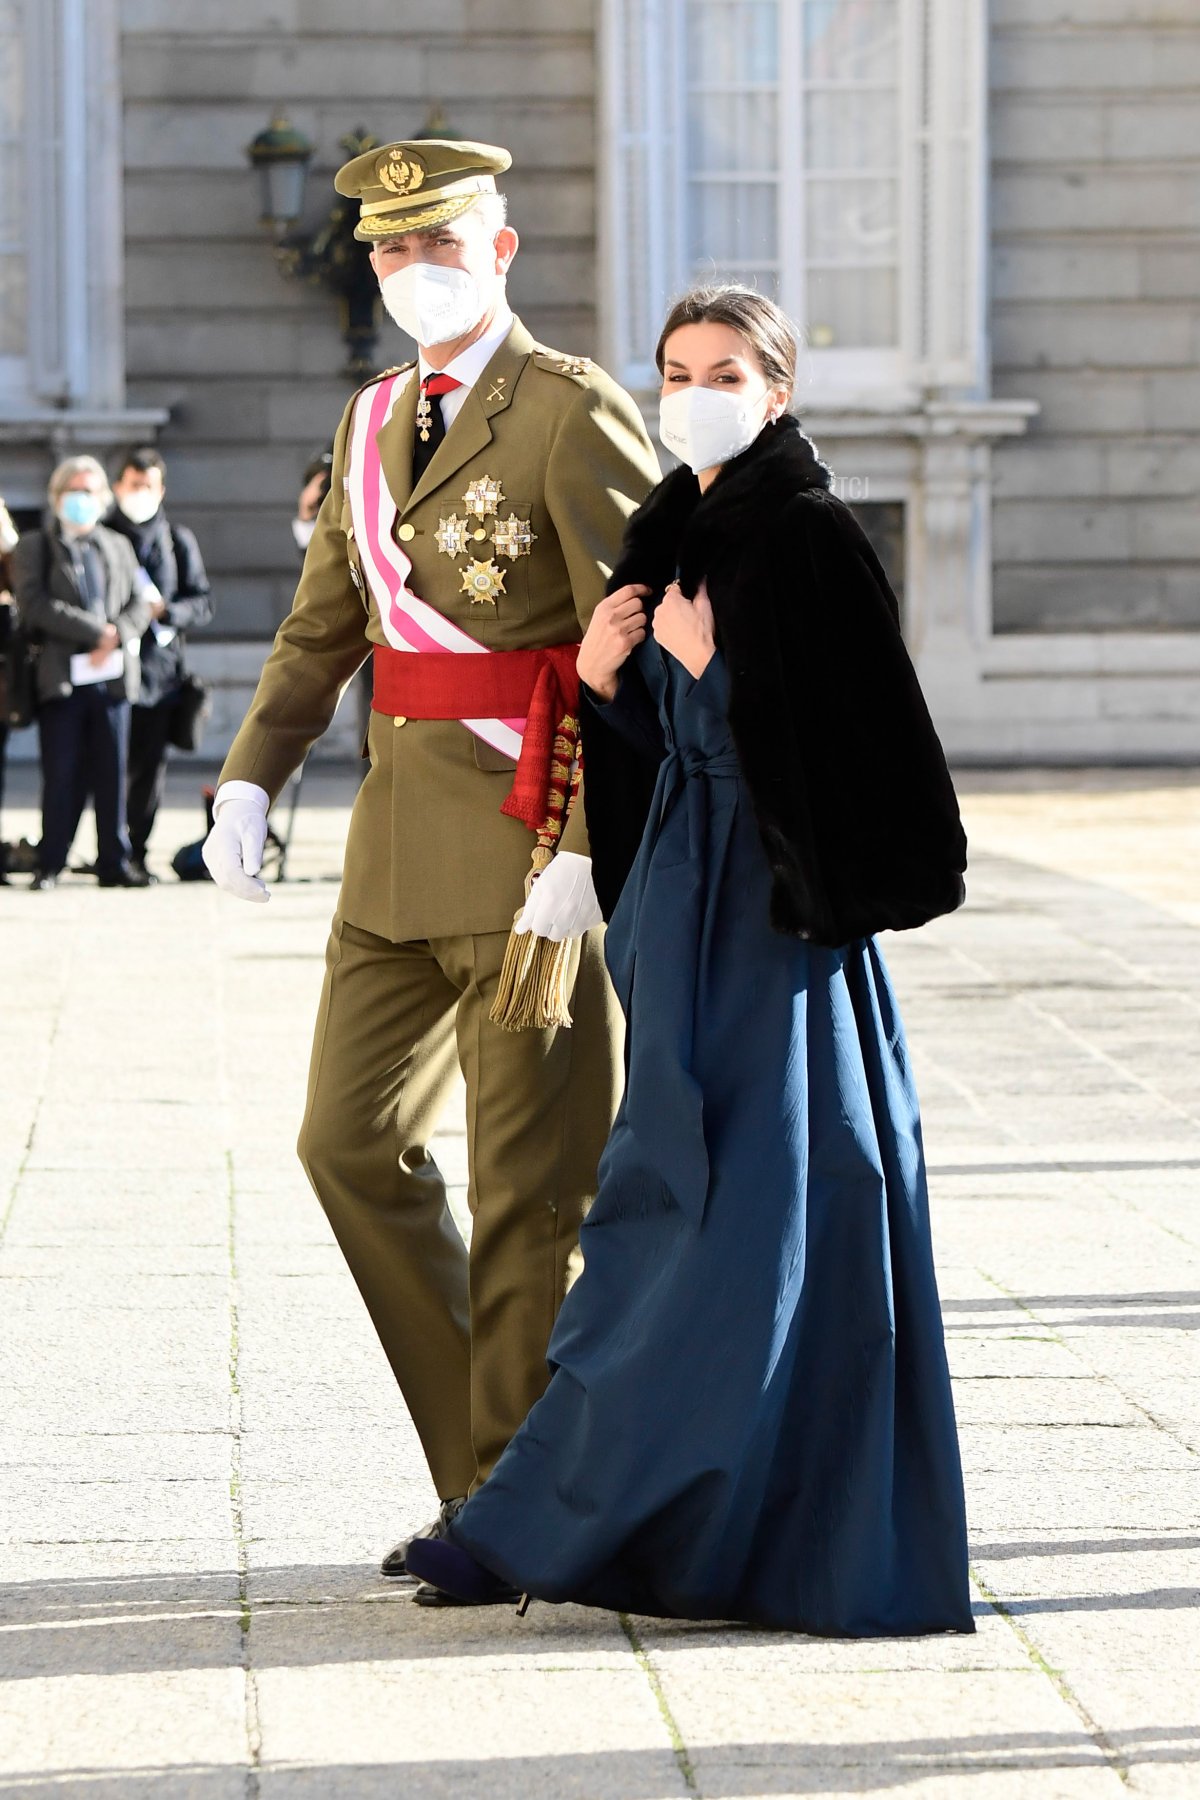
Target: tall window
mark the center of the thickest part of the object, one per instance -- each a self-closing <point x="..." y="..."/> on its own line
<point x="827" y="152"/>
<point x="792" y="159"/>
<point x="13" y="279"/>
<point x="61" y="260"/>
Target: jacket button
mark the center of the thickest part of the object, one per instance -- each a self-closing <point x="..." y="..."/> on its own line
<point x="406" y="532"/>
<point x="399" y="720"/>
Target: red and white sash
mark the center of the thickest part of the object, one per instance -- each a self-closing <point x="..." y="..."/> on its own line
<point x="409" y="623"/>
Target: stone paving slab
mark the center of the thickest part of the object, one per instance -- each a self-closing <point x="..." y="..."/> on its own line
<point x="202" y="1454"/>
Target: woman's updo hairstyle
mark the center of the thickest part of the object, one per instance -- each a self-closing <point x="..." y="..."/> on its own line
<point x="765" y="327"/>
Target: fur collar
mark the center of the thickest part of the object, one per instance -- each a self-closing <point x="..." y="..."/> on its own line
<point x="678" y="529"/>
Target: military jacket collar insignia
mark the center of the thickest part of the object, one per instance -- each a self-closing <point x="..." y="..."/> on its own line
<point x="470" y="433"/>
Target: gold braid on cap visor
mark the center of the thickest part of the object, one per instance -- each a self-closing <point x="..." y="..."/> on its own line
<point x="392" y="218"/>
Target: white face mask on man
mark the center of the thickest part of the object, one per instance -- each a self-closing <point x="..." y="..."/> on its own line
<point x="434" y="304"/>
<point x="139" y="505"/>
<point x="706" y="426"/>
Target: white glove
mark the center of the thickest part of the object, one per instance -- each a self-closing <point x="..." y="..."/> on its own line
<point x="233" y="849"/>
<point x="562" y="903"/>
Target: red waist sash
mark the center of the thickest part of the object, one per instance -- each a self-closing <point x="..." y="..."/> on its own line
<point x="540" y="686"/>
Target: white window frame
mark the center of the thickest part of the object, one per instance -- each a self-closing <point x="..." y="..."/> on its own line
<point x="942" y="84"/>
<point x="74" y="226"/>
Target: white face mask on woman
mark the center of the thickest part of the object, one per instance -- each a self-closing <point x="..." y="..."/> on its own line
<point x="706" y="426"/>
<point x="432" y="303"/>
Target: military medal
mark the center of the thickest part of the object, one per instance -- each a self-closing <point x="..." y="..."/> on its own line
<point x="483" y="497"/>
<point x="483" y="581"/>
<point x="424" y="415"/>
<point x="513" y="537"/>
<point x="451" y="535"/>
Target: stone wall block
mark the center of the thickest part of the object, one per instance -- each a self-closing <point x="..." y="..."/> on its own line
<point x="1066" y="268"/>
<point x="1086" y="400"/>
<point x="1059" y="129"/>
<point x="1006" y="14"/>
<point x="1100" y="597"/>
<point x="1075" y="61"/>
<point x="1170" y="271"/>
<point x="1152" y="129"/>
<point x="1048" y="468"/>
<point x="1154" y="335"/>
<point x="1164" y="468"/>
<point x="207" y="411"/>
<point x="1174" y="400"/>
<point x="1168" y="528"/>
<point x="1119" y="199"/>
<point x="1061" y="531"/>
<point x="163" y="344"/>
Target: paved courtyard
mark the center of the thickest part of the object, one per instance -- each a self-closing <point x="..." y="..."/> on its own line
<point x="204" y="1454"/>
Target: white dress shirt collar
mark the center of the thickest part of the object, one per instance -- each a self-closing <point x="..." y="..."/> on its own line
<point x="470" y="363"/>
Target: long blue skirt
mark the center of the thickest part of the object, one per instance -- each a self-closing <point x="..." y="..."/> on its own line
<point x="749" y="1414"/>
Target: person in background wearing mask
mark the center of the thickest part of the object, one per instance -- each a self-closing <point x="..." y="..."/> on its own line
<point x="79" y="589"/>
<point x="313" y="489"/>
<point x="750" y="1416"/>
<point x="8" y="543"/>
<point x="476" y="505"/>
<point x="181" y="599"/>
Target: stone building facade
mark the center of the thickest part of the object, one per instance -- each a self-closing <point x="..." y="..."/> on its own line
<point x="987" y="217"/>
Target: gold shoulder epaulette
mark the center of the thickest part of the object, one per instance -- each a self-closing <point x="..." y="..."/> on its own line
<point x="560" y="364"/>
<point x="400" y="369"/>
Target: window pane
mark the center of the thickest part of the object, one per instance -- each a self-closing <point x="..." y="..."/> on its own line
<point x="851" y="309"/>
<point x="762" y="280"/>
<point x="732" y="221"/>
<point x="851" y="221"/>
<point x="732" y="41"/>
<point x="851" y="130"/>
<point x="733" y="131"/>
<point x="851" y="40"/>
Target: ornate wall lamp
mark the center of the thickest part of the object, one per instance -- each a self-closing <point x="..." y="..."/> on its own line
<point x="330" y="257"/>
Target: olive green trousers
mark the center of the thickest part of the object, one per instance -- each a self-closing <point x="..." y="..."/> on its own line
<point x="465" y="1330"/>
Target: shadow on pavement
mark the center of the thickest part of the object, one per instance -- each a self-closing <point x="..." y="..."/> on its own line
<point x="725" y="1772"/>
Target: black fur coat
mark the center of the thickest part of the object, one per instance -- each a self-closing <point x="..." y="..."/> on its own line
<point x="853" y="799"/>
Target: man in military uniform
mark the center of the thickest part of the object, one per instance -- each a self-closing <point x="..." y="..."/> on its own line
<point x="477" y="501"/>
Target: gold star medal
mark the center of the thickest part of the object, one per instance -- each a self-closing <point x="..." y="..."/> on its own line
<point x="451" y="535"/>
<point x="483" y="497"/>
<point x="483" y="581"/>
<point x="513" y="537"/>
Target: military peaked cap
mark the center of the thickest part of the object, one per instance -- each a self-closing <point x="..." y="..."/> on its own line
<point x="411" y="186"/>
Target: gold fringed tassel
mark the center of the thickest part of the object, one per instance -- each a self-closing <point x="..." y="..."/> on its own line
<point x="535" y="984"/>
<point x="535" y="977"/>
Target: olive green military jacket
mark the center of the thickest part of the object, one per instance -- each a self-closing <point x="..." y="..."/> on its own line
<point x="429" y="852"/>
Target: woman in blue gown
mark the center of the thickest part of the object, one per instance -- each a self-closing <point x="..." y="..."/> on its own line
<point x="749" y="1414"/>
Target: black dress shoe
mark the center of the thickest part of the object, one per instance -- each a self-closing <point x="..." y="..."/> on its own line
<point x="451" y="1576"/>
<point x="396" y="1560"/>
<point x="42" y="883"/>
<point x="128" y="876"/>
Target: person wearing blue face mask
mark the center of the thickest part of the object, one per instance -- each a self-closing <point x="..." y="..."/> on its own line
<point x="85" y="602"/>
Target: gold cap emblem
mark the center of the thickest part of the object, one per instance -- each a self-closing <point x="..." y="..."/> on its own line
<point x="399" y="173"/>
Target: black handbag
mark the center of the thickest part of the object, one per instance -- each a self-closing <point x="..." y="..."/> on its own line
<point x="20" y="678"/>
<point x="190" y="711"/>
